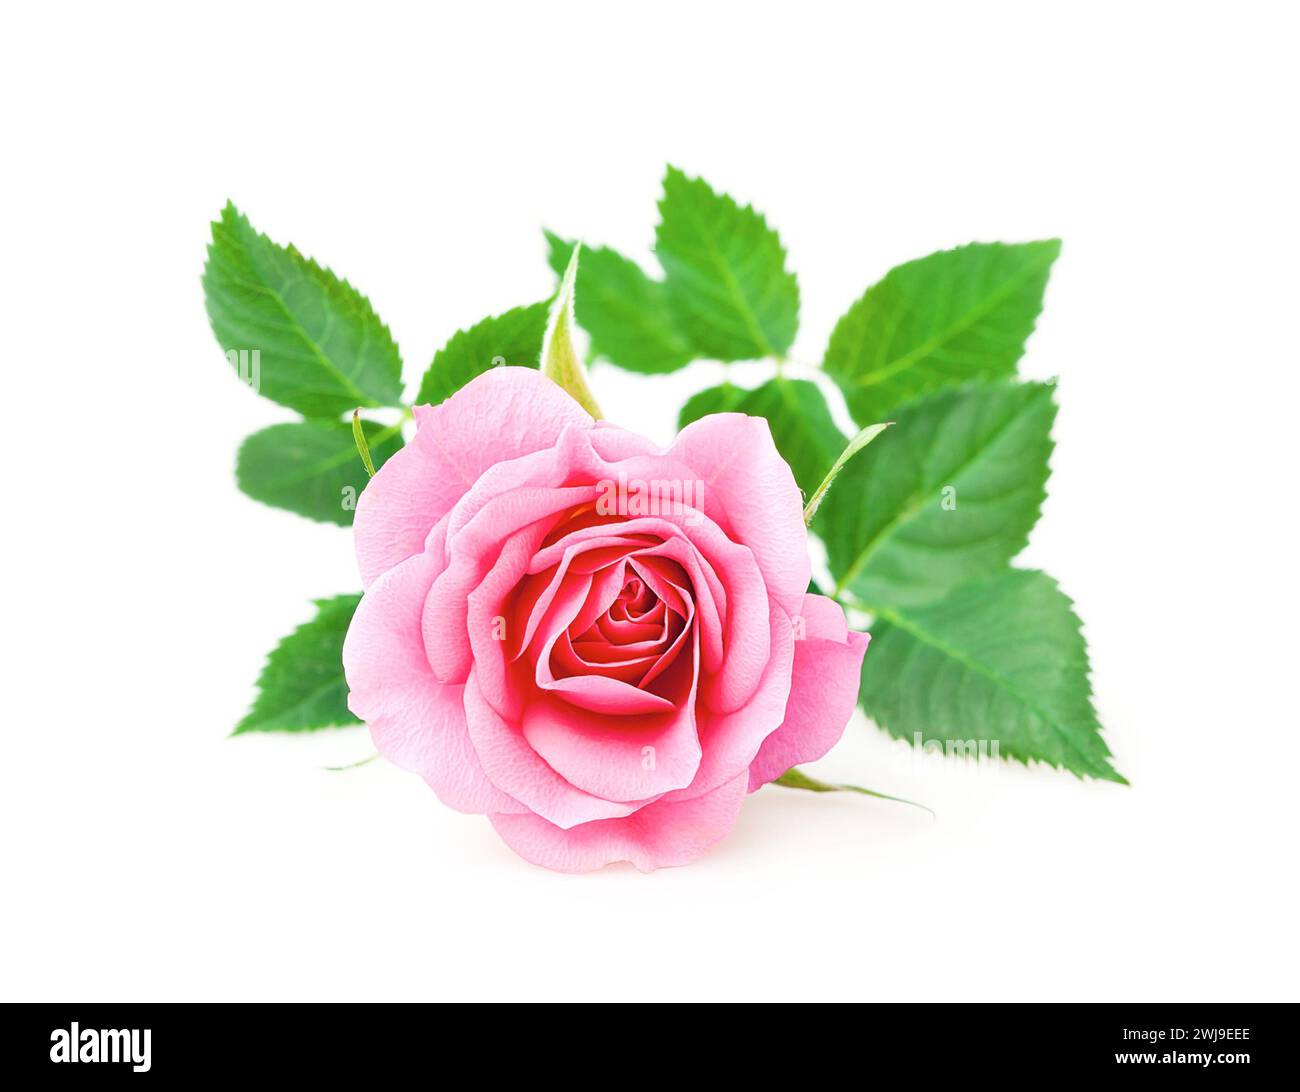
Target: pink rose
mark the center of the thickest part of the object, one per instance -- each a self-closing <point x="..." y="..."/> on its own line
<point x="599" y="644"/>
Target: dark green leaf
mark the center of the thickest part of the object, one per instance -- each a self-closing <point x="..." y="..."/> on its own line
<point x="320" y="348"/>
<point x="624" y="312"/>
<point x="302" y="685"/>
<point x="1000" y="661"/>
<point x="512" y="338"/>
<point x="728" y="287"/>
<point x="948" y="495"/>
<point x="312" y="467"/>
<point x="951" y="317"/>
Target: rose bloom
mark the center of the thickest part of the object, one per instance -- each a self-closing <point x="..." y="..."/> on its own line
<point x="600" y="644"/>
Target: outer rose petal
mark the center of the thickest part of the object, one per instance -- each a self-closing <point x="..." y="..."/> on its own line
<point x="608" y="759"/>
<point x="660" y="835"/>
<point x="522" y="774"/>
<point x="827" y="673"/>
<point x="502" y="414"/>
<point x="744" y="474"/>
<point x="416" y="722"/>
<point x="731" y="741"/>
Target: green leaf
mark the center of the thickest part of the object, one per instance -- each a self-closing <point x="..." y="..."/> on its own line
<point x="321" y="349"/>
<point x="312" y="467"/>
<point x="797" y="414"/>
<point x="951" y="317"/>
<point x="948" y="495"/>
<point x="624" y="311"/>
<point x="512" y="338"/>
<point x="302" y="685"/>
<point x="561" y="363"/>
<point x="728" y="287"/>
<point x="1001" y="661"/>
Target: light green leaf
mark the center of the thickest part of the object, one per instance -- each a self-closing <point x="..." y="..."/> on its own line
<point x="859" y="441"/>
<point x="727" y="282"/>
<point x="362" y="446"/>
<point x="624" y="311"/>
<point x="948" y="318"/>
<point x="1001" y="661"/>
<point x="560" y="360"/>
<point x="312" y="467"/>
<point x="302" y="685"/>
<point x="292" y="329"/>
<point x="511" y="338"/>
<point x="948" y="495"/>
<point x="797" y="414"/>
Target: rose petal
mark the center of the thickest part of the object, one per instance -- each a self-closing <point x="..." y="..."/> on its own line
<point x="762" y="507"/>
<point x="493" y="626"/>
<point x="615" y="757"/>
<point x="566" y="661"/>
<point x="823" y="691"/>
<point x="500" y="415"/>
<point x="415" y="721"/>
<point x="474" y="559"/>
<point x="660" y="835"/>
<point x="730" y="741"/>
<point x="519" y="771"/>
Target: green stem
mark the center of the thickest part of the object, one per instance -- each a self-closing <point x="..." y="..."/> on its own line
<point x="795" y="778"/>
<point x="353" y="765"/>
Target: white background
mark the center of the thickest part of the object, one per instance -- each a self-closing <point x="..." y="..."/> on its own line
<point x="145" y="855"/>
